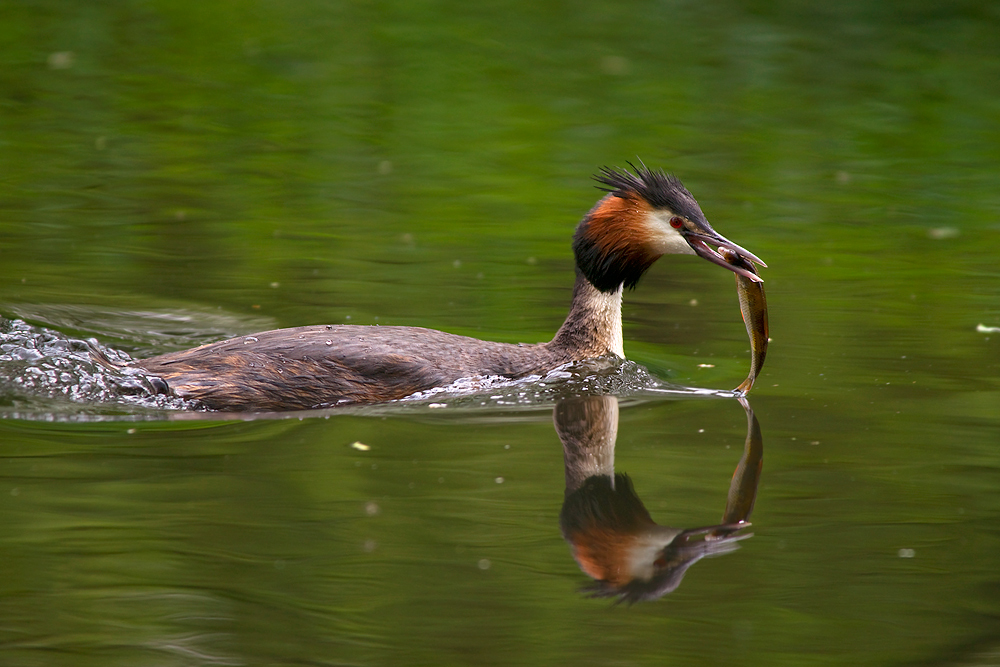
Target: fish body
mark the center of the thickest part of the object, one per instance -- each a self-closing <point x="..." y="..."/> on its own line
<point x="753" y="305"/>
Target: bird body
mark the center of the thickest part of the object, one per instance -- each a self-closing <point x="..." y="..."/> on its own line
<point x="645" y="215"/>
<point x="322" y="366"/>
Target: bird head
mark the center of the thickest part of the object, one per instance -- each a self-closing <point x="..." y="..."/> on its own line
<point x="645" y="215"/>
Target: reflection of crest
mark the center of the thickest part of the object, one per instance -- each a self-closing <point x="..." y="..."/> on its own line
<point x="613" y="537"/>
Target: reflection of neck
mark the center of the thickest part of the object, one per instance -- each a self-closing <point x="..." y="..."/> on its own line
<point x="593" y="327"/>
<point x="587" y="428"/>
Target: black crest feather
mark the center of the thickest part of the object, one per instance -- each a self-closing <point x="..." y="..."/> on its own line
<point x="655" y="186"/>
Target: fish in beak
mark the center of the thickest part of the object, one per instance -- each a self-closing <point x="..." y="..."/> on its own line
<point x="707" y="243"/>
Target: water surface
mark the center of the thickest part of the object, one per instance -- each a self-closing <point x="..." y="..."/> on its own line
<point x="174" y="173"/>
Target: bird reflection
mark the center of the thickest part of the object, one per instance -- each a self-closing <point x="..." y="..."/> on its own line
<point x="613" y="538"/>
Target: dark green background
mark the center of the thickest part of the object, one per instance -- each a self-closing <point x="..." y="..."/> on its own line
<point x="421" y="163"/>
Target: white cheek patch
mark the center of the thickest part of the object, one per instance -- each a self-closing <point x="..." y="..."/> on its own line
<point x="664" y="239"/>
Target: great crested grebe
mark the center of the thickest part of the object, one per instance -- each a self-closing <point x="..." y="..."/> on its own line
<point x="646" y="214"/>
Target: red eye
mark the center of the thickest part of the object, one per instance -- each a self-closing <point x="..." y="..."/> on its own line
<point x="676" y="222"/>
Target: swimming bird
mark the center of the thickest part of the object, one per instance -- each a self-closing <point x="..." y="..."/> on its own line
<point x="644" y="215"/>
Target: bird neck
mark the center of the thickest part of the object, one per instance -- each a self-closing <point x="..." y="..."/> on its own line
<point x="594" y="325"/>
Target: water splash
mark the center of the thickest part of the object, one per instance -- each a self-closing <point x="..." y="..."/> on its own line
<point x="42" y="370"/>
<point x="602" y="376"/>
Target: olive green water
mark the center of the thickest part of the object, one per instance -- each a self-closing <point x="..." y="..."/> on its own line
<point x="231" y="167"/>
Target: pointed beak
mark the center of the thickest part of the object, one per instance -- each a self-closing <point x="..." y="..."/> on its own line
<point x="724" y="529"/>
<point x="705" y="245"/>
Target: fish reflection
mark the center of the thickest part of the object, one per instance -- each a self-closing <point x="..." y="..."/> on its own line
<point x="613" y="538"/>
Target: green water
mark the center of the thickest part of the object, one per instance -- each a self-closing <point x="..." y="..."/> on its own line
<point x="172" y="172"/>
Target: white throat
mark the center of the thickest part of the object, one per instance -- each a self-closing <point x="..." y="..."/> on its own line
<point x="606" y="310"/>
